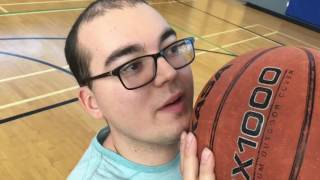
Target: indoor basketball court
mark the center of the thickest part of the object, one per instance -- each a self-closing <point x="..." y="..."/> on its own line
<point x="43" y="129"/>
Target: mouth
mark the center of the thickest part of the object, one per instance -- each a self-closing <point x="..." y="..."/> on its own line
<point x="175" y="104"/>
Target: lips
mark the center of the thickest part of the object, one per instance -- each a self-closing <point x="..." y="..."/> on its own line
<point x="174" y="103"/>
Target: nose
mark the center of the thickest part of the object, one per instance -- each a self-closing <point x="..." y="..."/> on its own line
<point x="165" y="72"/>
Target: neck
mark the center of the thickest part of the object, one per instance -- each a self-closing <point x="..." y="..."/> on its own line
<point x="143" y="153"/>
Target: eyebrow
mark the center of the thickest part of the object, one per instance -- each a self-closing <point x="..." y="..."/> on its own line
<point x="123" y="51"/>
<point x="133" y="48"/>
<point x="166" y="34"/>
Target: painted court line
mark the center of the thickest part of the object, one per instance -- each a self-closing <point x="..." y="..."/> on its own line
<point x="299" y="40"/>
<point x="228" y="31"/>
<point x="168" y="2"/>
<point x="3" y="9"/>
<point x="291" y="37"/>
<point x="41" y="12"/>
<point x="62" y="1"/>
<point x="265" y="37"/>
<point x="35" y="111"/>
<point x="214" y="49"/>
<point x="30" y="74"/>
<point x="66" y="1"/>
<point x="42" y="2"/>
<point x="37" y="97"/>
<point x="54" y="11"/>
<point x="250" y="39"/>
<point x="238" y="42"/>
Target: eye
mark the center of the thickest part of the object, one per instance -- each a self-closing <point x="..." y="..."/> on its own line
<point x="133" y="67"/>
<point x="175" y="49"/>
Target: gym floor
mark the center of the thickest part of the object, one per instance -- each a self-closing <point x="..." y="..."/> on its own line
<point x="43" y="130"/>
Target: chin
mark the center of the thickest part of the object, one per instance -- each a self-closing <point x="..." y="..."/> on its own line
<point x="175" y="130"/>
<point x="172" y="126"/>
<point x="171" y="139"/>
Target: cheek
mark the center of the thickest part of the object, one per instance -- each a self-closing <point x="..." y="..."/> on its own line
<point x="119" y="104"/>
<point x="187" y="83"/>
<point x="187" y="79"/>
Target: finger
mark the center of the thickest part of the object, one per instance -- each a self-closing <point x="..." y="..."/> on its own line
<point x="206" y="171"/>
<point x="190" y="162"/>
<point x="182" y="147"/>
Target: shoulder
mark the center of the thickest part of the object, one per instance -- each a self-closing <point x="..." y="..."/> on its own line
<point x="86" y="166"/>
<point x="91" y="160"/>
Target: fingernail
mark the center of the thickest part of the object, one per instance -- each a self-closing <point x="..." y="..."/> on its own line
<point x="206" y="154"/>
<point x="189" y="139"/>
<point x="183" y="136"/>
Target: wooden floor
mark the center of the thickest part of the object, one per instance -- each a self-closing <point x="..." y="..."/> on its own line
<point x="43" y="130"/>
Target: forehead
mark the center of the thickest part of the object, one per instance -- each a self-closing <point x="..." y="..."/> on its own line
<point x="118" y="27"/>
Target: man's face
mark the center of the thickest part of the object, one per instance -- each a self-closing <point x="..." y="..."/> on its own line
<point x="155" y="113"/>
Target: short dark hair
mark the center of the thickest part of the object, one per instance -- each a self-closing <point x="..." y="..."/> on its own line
<point x="78" y="57"/>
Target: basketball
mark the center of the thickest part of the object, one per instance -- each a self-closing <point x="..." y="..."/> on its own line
<point x="260" y="114"/>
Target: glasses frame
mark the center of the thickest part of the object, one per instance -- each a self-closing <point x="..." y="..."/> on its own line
<point x="116" y="71"/>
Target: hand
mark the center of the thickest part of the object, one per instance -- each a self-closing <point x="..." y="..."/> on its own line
<point x="189" y="165"/>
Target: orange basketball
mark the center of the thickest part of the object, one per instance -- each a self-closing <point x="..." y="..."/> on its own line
<point x="260" y="114"/>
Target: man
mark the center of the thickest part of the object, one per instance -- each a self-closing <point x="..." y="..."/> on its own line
<point x="134" y="73"/>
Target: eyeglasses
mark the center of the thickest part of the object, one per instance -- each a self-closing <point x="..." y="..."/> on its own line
<point x="142" y="70"/>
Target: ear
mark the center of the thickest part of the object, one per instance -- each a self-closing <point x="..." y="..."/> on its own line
<point x="89" y="103"/>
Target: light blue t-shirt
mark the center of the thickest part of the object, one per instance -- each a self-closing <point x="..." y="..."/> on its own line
<point x="99" y="163"/>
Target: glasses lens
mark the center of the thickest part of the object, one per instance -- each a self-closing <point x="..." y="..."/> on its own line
<point x="180" y="53"/>
<point x="137" y="72"/>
